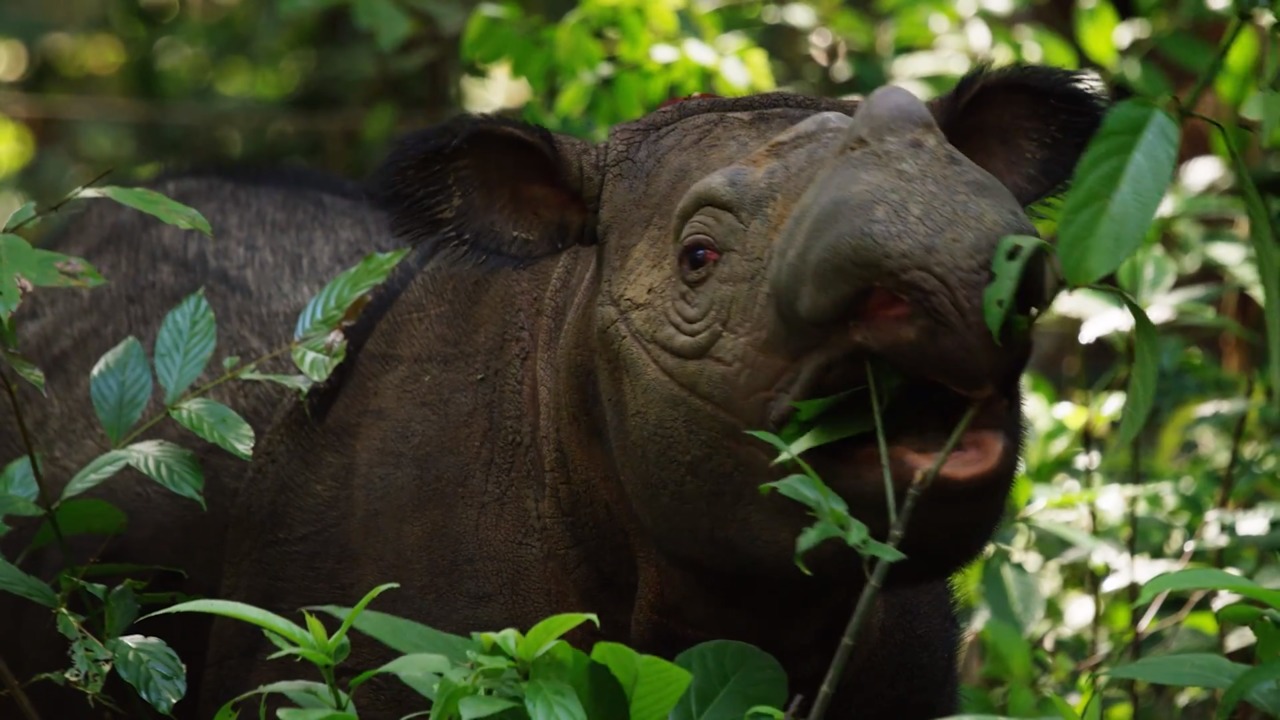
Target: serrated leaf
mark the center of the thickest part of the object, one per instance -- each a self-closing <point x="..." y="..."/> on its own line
<point x="729" y="677"/>
<point x="154" y="204"/>
<point x="174" y="467"/>
<point x="217" y="423"/>
<point x="1140" y="392"/>
<point x="95" y="472"/>
<point x="1116" y="188"/>
<point x="81" y="516"/>
<point x="16" y="582"/>
<point x="120" y="387"/>
<point x="326" y="310"/>
<point x="25" y="369"/>
<point x="24" y="213"/>
<point x="184" y="345"/>
<point x="152" y="668"/>
<point x="1007" y="267"/>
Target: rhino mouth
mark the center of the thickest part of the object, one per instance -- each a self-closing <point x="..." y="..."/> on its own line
<point x="918" y="418"/>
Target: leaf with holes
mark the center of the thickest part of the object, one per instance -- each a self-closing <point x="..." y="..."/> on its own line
<point x="217" y="423"/>
<point x="152" y="668"/>
<point x="184" y="345"/>
<point x="167" y="210"/>
<point x="174" y="467"/>
<point x="120" y="387"/>
<point x="24" y="268"/>
<point x="1007" y="266"/>
<point x="1117" y="186"/>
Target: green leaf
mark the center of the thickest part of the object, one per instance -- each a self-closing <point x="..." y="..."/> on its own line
<point x="420" y="671"/>
<point x="299" y="383"/>
<point x="1205" y="670"/>
<point x="541" y="636"/>
<point x="153" y="203"/>
<point x="319" y="356"/>
<point x="22" y="215"/>
<point x="1008" y="652"/>
<point x="813" y="494"/>
<point x="25" y="369"/>
<point x="813" y="536"/>
<point x="98" y="470"/>
<point x="1247" y="683"/>
<point x="350" y="619"/>
<point x="1140" y="393"/>
<point x="506" y="640"/>
<point x="1207" y="579"/>
<point x="1095" y="23"/>
<point x="314" y="714"/>
<point x="24" y="268"/>
<point x="479" y="706"/>
<point x="17" y="479"/>
<point x="390" y="25"/>
<point x="551" y="700"/>
<point x="729" y="677"/>
<point x="217" y="423"/>
<point x="403" y="635"/>
<point x="185" y="344"/>
<point x="1012" y="593"/>
<point x="1116" y="188"/>
<point x="243" y="612"/>
<point x="16" y="582"/>
<point x="120" y="610"/>
<point x="327" y="309"/>
<point x="652" y="685"/>
<point x="152" y="668"/>
<point x="81" y="516"/>
<point x="1007" y="267"/>
<point x="120" y="387"/>
<point x="174" y="467"/>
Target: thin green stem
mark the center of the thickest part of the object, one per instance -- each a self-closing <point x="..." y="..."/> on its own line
<point x="862" y="610"/>
<point x="890" y="500"/>
<point x="1202" y="83"/>
<point x="58" y="205"/>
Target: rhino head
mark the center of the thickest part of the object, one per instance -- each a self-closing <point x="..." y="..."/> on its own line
<point x="545" y="411"/>
<point x="756" y="251"/>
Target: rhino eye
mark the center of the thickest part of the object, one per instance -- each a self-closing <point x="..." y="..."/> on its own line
<point x="697" y="254"/>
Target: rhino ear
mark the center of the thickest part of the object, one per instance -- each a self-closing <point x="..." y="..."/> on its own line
<point x="1026" y="125"/>
<point x="488" y="186"/>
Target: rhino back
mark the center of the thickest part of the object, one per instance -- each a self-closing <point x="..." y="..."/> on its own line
<point x="277" y="240"/>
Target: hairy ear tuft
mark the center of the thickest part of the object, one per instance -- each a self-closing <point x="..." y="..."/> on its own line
<point x="1025" y="124"/>
<point x="490" y="187"/>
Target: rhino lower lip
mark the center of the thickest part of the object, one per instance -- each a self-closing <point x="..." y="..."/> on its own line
<point x="977" y="455"/>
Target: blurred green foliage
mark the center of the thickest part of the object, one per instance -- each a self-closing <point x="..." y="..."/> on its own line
<point x="141" y="85"/>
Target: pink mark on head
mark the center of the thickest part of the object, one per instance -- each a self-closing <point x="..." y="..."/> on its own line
<point x="882" y="304"/>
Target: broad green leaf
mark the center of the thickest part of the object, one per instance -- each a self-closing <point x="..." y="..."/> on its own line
<point x="1205" y="670"/>
<point x="551" y="700"/>
<point x="24" y="268"/>
<point x="22" y="215"/>
<point x="481" y="706"/>
<point x="82" y="516"/>
<point x="307" y="693"/>
<point x="153" y="203"/>
<point x="298" y="383"/>
<point x="597" y="688"/>
<point x="1095" y="24"/>
<point x="1007" y="266"/>
<point x="120" y="387"/>
<point x="152" y="668"/>
<point x="403" y="635"/>
<point x="98" y="470"/>
<point x="1011" y="592"/>
<point x="1264" y="675"/>
<point x="652" y="685"/>
<point x="541" y="636"/>
<point x="1140" y="392"/>
<point x="506" y="640"/>
<point x="25" y="369"/>
<point x="813" y="494"/>
<point x="1116" y="188"/>
<point x="174" y="467"/>
<point x="1008" y="652"/>
<point x="419" y="671"/>
<point x="390" y="25"/>
<point x="264" y="619"/>
<point x="729" y="677"/>
<point x="327" y="309"/>
<point x="319" y="356"/>
<point x="217" y="423"/>
<point x="1207" y="579"/>
<point x="314" y="714"/>
<point x="120" y="610"/>
<point x="184" y="345"/>
<point x="16" y="582"/>
<point x="18" y="479"/>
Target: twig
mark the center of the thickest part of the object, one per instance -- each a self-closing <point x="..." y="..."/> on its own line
<point x="41" y="486"/>
<point x="793" y="708"/>
<point x="884" y="448"/>
<point x="66" y="199"/>
<point x="919" y="484"/>
<point x="11" y="684"/>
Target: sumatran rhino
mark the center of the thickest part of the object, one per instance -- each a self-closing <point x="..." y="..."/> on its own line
<point x="279" y="236"/>
<point x="544" y="409"/>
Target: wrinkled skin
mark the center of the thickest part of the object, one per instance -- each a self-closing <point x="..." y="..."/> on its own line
<point x="547" y="409"/>
<point x="277" y="239"/>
